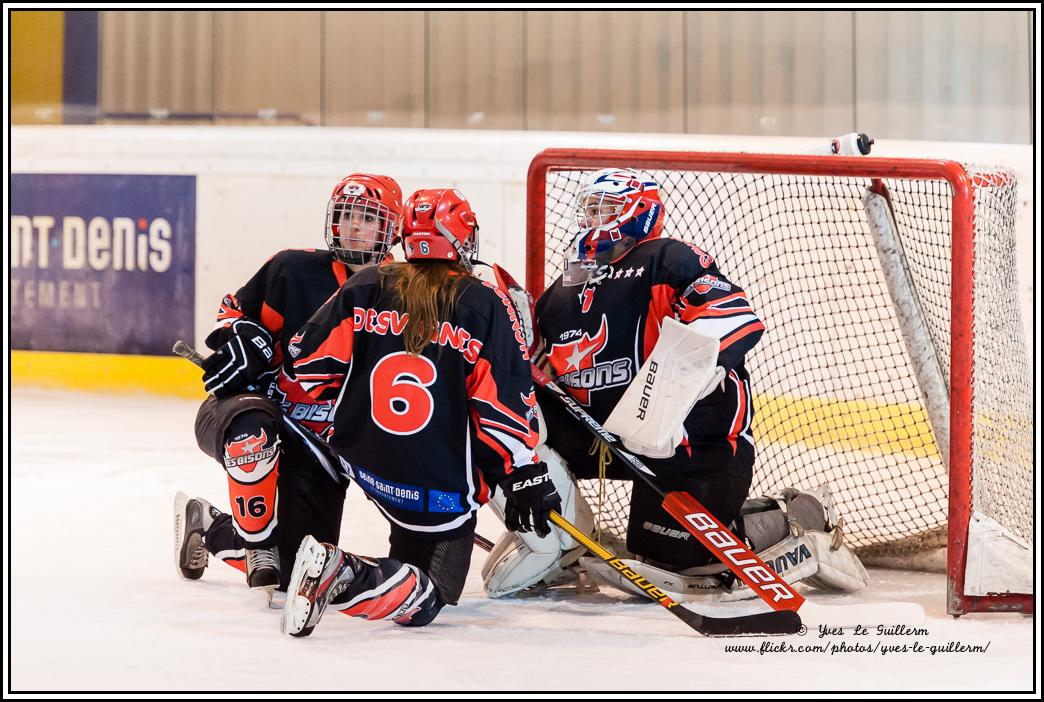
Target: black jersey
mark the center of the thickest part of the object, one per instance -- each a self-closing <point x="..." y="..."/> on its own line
<point x="281" y="296"/>
<point x="596" y="337"/>
<point x="425" y="436"/>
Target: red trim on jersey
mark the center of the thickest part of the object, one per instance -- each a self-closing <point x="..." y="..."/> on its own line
<point x="340" y="272"/>
<point x="482" y="386"/>
<point x="271" y="320"/>
<point x="687" y="317"/>
<point x="737" y="335"/>
<point x="237" y="562"/>
<point x="661" y="302"/>
<point x="337" y="347"/>
<point x="483" y="493"/>
<point x="476" y="419"/>
<point x="691" y="313"/>
<point x="523" y="436"/>
<point x="380" y="607"/>
<point x="739" y="420"/>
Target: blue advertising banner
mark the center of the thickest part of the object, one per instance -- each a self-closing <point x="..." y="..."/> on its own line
<point x="102" y="263"/>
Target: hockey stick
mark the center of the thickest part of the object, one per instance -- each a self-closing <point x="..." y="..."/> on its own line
<point x="483" y="543"/>
<point x="783" y="622"/>
<point x="776" y="622"/>
<point x="730" y="550"/>
<point x="181" y="348"/>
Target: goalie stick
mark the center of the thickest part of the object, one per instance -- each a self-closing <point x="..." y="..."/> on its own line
<point x="732" y="551"/>
<point x="782" y="622"/>
<point x="776" y="622"/>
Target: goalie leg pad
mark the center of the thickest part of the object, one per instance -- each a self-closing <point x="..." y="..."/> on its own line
<point x="811" y="514"/>
<point x="808" y="558"/>
<point x="811" y="550"/>
<point x="839" y="566"/>
<point x="813" y="511"/>
<point x="519" y="560"/>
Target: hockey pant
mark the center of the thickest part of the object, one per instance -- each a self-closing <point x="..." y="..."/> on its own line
<point x="411" y="585"/>
<point x="279" y="490"/>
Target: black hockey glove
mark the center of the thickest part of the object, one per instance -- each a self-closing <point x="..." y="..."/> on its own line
<point x="242" y="353"/>
<point x="530" y="498"/>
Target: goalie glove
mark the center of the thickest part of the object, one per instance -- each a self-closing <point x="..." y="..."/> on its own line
<point x="530" y="497"/>
<point x="681" y="369"/>
<point x="667" y="450"/>
<point x="242" y="353"/>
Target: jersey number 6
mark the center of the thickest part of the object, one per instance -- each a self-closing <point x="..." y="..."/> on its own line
<point x="399" y="399"/>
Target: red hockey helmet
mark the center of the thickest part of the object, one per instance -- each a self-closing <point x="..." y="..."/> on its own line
<point x="362" y="218"/>
<point x="438" y="225"/>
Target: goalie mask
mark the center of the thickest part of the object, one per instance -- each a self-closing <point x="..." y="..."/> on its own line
<point x="615" y="210"/>
<point x="362" y="218"/>
<point x="439" y="225"/>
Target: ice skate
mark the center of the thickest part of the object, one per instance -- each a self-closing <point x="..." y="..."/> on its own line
<point x="321" y="572"/>
<point x="192" y="517"/>
<point x="262" y="567"/>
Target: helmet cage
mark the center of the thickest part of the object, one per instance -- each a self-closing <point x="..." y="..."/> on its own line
<point x="599" y="210"/>
<point x="360" y="229"/>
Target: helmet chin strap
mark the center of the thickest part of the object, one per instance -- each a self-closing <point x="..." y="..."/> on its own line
<point x="464" y="260"/>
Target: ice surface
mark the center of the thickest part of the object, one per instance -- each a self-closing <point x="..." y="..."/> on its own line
<point x="96" y="603"/>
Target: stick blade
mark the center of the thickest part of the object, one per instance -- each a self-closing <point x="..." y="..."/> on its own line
<point x="868" y="616"/>
<point x="765" y="623"/>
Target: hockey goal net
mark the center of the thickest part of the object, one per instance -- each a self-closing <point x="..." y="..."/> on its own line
<point x="894" y="364"/>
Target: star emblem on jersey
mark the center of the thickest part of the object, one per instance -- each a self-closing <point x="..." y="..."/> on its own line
<point x="577" y="357"/>
<point x="576" y="369"/>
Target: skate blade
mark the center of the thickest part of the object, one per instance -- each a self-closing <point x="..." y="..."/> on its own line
<point x="180" y="501"/>
<point x="179" y="529"/>
<point x="311" y="556"/>
<point x="276" y="599"/>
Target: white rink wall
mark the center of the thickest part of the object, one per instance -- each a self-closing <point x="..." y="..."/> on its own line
<point x="262" y="189"/>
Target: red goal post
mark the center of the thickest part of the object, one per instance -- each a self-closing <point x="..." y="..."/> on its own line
<point x="768" y="200"/>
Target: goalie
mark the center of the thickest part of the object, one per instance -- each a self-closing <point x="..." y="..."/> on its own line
<point x="648" y="335"/>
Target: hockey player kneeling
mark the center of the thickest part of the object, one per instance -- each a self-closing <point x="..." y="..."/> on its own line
<point x="434" y="416"/>
<point x="649" y="336"/>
